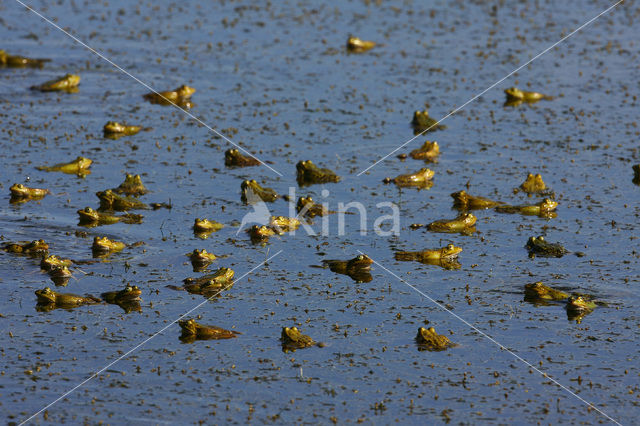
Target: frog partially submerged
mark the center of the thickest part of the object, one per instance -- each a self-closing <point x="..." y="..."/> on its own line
<point x="91" y="218"/>
<point x="21" y="192"/>
<point x="54" y="299"/>
<point x="31" y="248"/>
<point x="180" y="97"/>
<point x="129" y="294"/>
<point x="103" y="245"/>
<point x="533" y="184"/>
<point x="293" y="339"/>
<point x="200" y="259"/>
<point x="79" y="166"/>
<point x="357" y="268"/>
<point x="115" y="130"/>
<point x="538" y="291"/>
<point x="464" y="201"/>
<point x="211" y="284"/>
<point x="204" y="227"/>
<point x="67" y="83"/>
<point x="420" y="179"/>
<point x="132" y="186"/>
<point x="515" y="96"/>
<point x="283" y="224"/>
<point x="356" y="45"/>
<point x="538" y="246"/>
<point x="422" y="122"/>
<point x="252" y="192"/>
<point x="309" y="174"/>
<point x="463" y="223"/>
<point x="428" y="339"/>
<point x="448" y="252"/>
<point x="308" y="208"/>
<point x="16" y="61"/>
<point x="429" y="152"/>
<point x="191" y="331"/>
<point x="109" y="200"/>
<point x="578" y="306"/>
<point x="544" y="208"/>
<point x="52" y="261"/>
<point x="260" y="234"/>
<point x="234" y="158"/>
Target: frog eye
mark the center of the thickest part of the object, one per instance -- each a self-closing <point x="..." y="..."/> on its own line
<point x="432" y="330"/>
<point x="450" y="247"/>
<point x="540" y="238"/>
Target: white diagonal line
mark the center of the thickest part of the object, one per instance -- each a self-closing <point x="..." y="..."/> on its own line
<point x="493" y="85"/>
<point x="97" y="373"/>
<point x="122" y="70"/>
<point x="483" y="334"/>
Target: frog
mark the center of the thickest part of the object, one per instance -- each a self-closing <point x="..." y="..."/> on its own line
<point x="192" y="330"/>
<point x="16" y="61"/>
<point x="252" y="192"/>
<point x="308" y="174"/>
<point x="179" y="97"/>
<point x="464" y="201"/>
<point x="428" y="339"/>
<point x="293" y="339"/>
<point x="206" y="226"/>
<point x="260" y="234"/>
<point x="538" y="246"/>
<point x="46" y="296"/>
<point x="201" y="257"/>
<point x="19" y="191"/>
<point x="356" y="45"/>
<point x="283" y="224"/>
<point x="91" y="218"/>
<point x="79" y="166"/>
<point x="578" y="306"/>
<point x="308" y="208"/>
<point x="356" y="268"/>
<point x="31" y="248"/>
<point x="636" y="174"/>
<point x="109" y="200"/>
<point x="131" y="186"/>
<point x="420" y="179"/>
<point x="115" y="130"/>
<point x="423" y="123"/>
<point x="516" y="95"/>
<point x="129" y="294"/>
<point x="429" y="152"/>
<point x="234" y="158"/>
<point x="67" y="83"/>
<point x="210" y="284"/>
<point x="539" y="291"/>
<point x="449" y="252"/>
<point x="59" y="271"/>
<point x="104" y="245"/>
<point x="544" y="208"/>
<point x="52" y="261"/>
<point x="462" y="223"/>
<point x="533" y="184"/>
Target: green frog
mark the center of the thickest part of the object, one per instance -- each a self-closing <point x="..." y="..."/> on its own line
<point x="59" y="272"/>
<point x="109" y="200"/>
<point x="578" y="306"/>
<point x="420" y="179"/>
<point x="464" y="201"/>
<point x="308" y="208"/>
<point x="104" y="245"/>
<point x="514" y="95"/>
<point x="430" y="256"/>
<point x="429" y="152"/>
<point x="537" y="291"/>
<point x="191" y="331"/>
<point x="464" y="223"/>
<point x="422" y="122"/>
<point x="19" y="191"/>
<point x="131" y="186"/>
<point x="293" y="339"/>
<point x="47" y="296"/>
<point x="52" y="261"/>
<point x="79" y="166"/>
<point x="210" y="284"/>
<point x="234" y="158"/>
<point x="31" y="248"/>
<point x="543" y="208"/>
<point x="357" y="268"/>
<point x="356" y="45"/>
<point x="260" y="234"/>
<point x="129" y="294"/>
<point x="283" y="224"/>
<point x="115" y="130"/>
<point x="533" y="184"/>
<point x="309" y="174"/>
<point x="91" y="218"/>
<point x="67" y="83"/>
<point x="180" y="97"/>
<point x="206" y="226"/>
<point x="252" y="192"/>
<point x="201" y="257"/>
<point x="428" y="339"/>
<point x="540" y="247"/>
<point x="15" y="61"/>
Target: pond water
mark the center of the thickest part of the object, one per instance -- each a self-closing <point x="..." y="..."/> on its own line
<point x="276" y="79"/>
